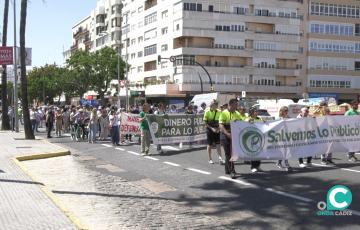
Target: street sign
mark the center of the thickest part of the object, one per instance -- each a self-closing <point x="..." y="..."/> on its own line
<point x="6" y="55"/>
<point x="172" y="58"/>
<point x="243" y="93"/>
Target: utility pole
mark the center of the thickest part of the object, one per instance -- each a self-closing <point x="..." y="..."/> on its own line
<point x="15" y="75"/>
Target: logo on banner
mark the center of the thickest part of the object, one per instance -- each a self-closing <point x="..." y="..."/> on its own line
<point x="154" y="127"/>
<point x="338" y="198"/>
<point x="251" y="141"/>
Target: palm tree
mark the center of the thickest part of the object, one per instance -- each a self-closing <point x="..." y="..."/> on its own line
<point x="5" y="124"/>
<point x="24" y="90"/>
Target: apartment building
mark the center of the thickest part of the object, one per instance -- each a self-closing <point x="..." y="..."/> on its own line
<point x="252" y="46"/>
<point x="333" y="50"/>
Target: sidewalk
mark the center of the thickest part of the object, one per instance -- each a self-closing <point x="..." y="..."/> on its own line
<point x="23" y="204"/>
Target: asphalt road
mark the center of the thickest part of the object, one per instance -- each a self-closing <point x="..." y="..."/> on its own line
<point x="272" y="199"/>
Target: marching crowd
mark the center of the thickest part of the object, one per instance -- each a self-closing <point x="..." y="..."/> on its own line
<point x="103" y="122"/>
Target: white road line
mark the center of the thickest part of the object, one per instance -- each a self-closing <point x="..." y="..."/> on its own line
<point x="172" y="164"/>
<point x="134" y="153"/>
<point x="151" y="158"/>
<point x="121" y="149"/>
<point x="199" y="171"/>
<point x="304" y="199"/>
<point x="235" y="180"/>
<point x="344" y="169"/>
<point x="106" y="145"/>
<point x="351" y="170"/>
<point x="168" y="147"/>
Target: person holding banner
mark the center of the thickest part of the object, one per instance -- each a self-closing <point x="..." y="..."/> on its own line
<point x="326" y="158"/>
<point x="160" y="111"/>
<point x="352" y="112"/>
<point x="253" y="118"/>
<point x="283" y="114"/>
<point x="304" y="113"/>
<point x="226" y="116"/>
<point x="211" y="118"/>
<point x="145" y="131"/>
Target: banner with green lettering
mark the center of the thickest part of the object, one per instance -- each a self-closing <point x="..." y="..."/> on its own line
<point x="295" y="138"/>
<point x="176" y="128"/>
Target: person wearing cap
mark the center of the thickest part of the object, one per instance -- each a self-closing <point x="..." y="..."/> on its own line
<point x="211" y="118"/>
<point x="352" y="112"/>
<point x="253" y="118"/>
<point x="304" y="113"/>
<point x="227" y="116"/>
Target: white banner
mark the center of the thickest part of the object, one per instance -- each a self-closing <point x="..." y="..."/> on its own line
<point x="295" y="138"/>
<point x="130" y="124"/>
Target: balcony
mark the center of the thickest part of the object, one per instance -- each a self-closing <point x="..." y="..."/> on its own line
<point x="150" y="3"/>
<point x="237" y="88"/>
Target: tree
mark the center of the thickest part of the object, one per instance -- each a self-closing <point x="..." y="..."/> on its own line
<point x="24" y="90"/>
<point x="105" y="63"/>
<point x="81" y="71"/>
<point x="5" y="124"/>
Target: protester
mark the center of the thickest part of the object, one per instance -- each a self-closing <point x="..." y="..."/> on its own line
<point x="93" y="126"/>
<point x="114" y="124"/>
<point x="66" y="120"/>
<point x="104" y="124"/>
<point x="58" y="122"/>
<point x="173" y="109"/>
<point x="50" y="117"/>
<point x="160" y="111"/>
<point x="33" y="119"/>
<point x="326" y="158"/>
<point x="304" y="113"/>
<point x="352" y="112"/>
<point x="253" y="118"/>
<point x="190" y="109"/>
<point x="242" y="111"/>
<point x="226" y="116"/>
<point x="202" y="108"/>
<point x="283" y="115"/>
<point x="145" y="131"/>
<point x="211" y="118"/>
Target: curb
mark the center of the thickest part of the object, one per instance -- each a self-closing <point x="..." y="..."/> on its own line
<point x="48" y="193"/>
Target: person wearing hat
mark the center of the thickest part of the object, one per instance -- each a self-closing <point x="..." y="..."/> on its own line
<point x="211" y="118"/>
<point x="227" y="116"/>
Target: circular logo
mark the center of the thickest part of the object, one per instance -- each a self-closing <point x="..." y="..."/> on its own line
<point x="154" y="127"/>
<point x="321" y="205"/>
<point x="339" y="197"/>
<point x="251" y="141"/>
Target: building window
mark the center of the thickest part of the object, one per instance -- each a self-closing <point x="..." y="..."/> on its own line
<point x="164" y="14"/>
<point x="140" y="54"/>
<point x="140" y="69"/>
<point x="164" y="47"/>
<point x="164" y="30"/>
<point x="140" y="39"/>
<point x="211" y="8"/>
<point x="150" y="18"/>
<point x="149" y="50"/>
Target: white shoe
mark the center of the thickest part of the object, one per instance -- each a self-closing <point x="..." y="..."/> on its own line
<point x="211" y="162"/>
<point x="302" y="165"/>
<point x="221" y="161"/>
<point x="254" y="170"/>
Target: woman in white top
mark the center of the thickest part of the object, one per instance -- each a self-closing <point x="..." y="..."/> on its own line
<point x="33" y="119"/>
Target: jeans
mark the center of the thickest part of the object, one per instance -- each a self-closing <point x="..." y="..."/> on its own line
<point x="92" y="132"/>
<point x="115" y="135"/>
<point x="33" y="125"/>
<point x="145" y="140"/>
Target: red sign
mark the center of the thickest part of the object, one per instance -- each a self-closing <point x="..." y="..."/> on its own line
<point x="6" y="55"/>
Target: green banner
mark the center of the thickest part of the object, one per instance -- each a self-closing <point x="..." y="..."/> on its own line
<point x="176" y="128"/>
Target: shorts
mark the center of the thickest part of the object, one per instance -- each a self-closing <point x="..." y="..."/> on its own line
<point x="212" y="138"/>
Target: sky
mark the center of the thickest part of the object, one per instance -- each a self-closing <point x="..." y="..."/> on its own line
<point x="49" y="24"/>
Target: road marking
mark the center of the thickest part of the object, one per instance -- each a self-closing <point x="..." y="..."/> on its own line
<point x="351" y="170"/>
<point x="331" y="166"/>
<point x="134" y="153"/>
<point x="304" y="199"/>
<point x="198" y="171"/>
<point x="106" y="145"/>
<point x="172" y="164"/>
<point x="121" y="149"/>
<point x="168" y="147"/>
<point x="235" y="180"/>
<point x="151" y="158"/>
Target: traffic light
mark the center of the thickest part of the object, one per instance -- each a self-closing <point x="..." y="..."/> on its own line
<point x="159" y="59"/>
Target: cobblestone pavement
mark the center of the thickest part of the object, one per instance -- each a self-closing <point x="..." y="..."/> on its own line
<point x="108" y="202"/>
<point x="23" y="204"/>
